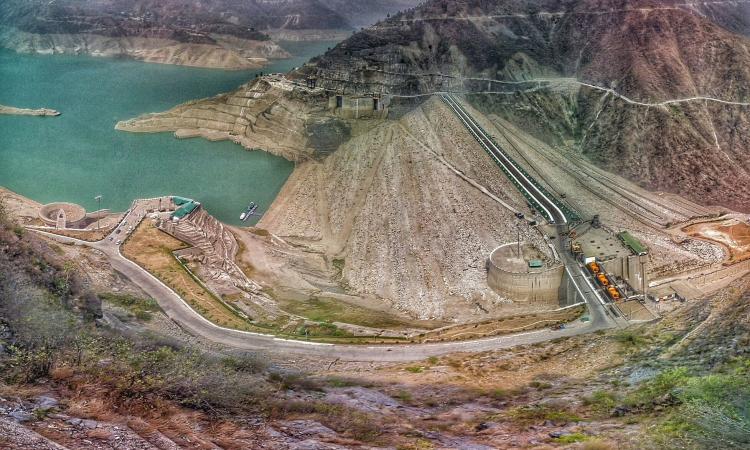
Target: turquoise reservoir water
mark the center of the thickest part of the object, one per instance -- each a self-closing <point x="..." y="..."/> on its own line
<point x="79" y="155"/>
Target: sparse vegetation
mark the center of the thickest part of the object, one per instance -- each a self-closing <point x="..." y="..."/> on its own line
<point x="601" y="402"/>
<point x="540" y="385"/>
<point x="571" y="438"/>
<point x="539" y="413"/>
<point x="404" y="396"/>
<point x="502" y="325"/>
<point x="51" y="340"/>
<point x="658" y="390"/>
<point x="630" y="339"/>
<point x="322" y="309"/>
<point x="708" y="411"/>
<point x="351" y="423"/>
<point x="142" y="308"/>
<point x="152" y="249"/>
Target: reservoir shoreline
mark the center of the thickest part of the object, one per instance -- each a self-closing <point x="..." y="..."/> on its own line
<point x="41" y="112"/>
<point x="80" y="155"/>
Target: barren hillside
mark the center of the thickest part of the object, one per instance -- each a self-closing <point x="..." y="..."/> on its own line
<point x="410" y="229"/>
<point x="227" y="34"/>
<point x="636" y="56"/>
<point x="393" y="201"/>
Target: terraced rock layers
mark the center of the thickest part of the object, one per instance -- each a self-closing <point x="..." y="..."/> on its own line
<point x="669" y="58"/>
<point x="12" y="111"/>
<point x="263" y="113"/>
<point x="217" y="245"/>
<point x="226" y="52"/>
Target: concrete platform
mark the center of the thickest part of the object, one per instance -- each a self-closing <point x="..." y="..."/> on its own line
<point x="604" y="246"/>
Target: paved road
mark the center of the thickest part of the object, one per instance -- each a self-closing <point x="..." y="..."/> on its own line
<point x="179" y="311"/>
<point x="600" y="316"/>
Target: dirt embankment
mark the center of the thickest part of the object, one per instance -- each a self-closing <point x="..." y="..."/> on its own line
<point x="732" y="234"/>
<point x="12" y="111"/>
<point x="389" y="207"/>
<point x="258" y="115"/>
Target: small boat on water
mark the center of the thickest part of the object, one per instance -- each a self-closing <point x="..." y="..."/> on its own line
<point x="249" y="211"/>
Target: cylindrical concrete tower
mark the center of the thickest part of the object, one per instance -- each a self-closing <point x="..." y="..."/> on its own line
<point x="524" y="277"/>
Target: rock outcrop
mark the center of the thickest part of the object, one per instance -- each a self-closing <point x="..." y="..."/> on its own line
<point x="668" y="98"/>
<point x="263" y="114"/>
<point x="12" y="111"/>
<point x="225" y="52"/>
<point x="221" y="34"/>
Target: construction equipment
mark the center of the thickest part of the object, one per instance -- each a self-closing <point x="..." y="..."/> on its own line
<point x="614" y="294"/>
<point x="594" y="267"/>
<point x="603" y="280"/>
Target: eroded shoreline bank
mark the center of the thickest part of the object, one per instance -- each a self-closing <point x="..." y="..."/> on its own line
<point x="13" y="111"/>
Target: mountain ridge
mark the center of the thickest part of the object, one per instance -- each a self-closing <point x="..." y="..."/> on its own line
<point x="648" y="51"/>
<point x="228" y="34"/>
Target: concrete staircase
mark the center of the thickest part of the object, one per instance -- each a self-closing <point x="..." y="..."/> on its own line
<point x="217" y="244"/>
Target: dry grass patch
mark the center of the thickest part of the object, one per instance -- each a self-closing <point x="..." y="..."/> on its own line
<point x="152" y="249"/>
<point x="505" y="325"/>
<point x="84" y="235"/>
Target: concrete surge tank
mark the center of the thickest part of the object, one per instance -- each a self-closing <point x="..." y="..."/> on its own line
<point x="61" y="214"/>
<point x="525" y="277"/>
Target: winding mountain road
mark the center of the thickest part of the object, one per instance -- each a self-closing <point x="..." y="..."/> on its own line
<point x="191" y="321"/>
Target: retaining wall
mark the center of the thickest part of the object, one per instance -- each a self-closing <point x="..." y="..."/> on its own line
<point x="533" y="286"/>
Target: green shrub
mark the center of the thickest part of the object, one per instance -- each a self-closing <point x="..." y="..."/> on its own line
<point x="540" y="385"/>
<point x="19" y="230"/>
<point x="338" y="382"/>
<point x="499" y="394"/>
<point x="571" y="438"/>
<point x="713" y="411"/>
<point x="141" y="308"/>
<point x="659" y="389"/>
<point x="601" y="402"/>
<point x="404" y="396"/>
<point x="630" y="338"/>
<point x="706" y="411"/>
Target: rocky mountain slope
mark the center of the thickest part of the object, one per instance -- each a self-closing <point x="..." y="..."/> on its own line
<point x="221" y="33"/>
<point x="135" y="381"/>
<point x="402" y="198"/>
<point x="634" y="55"/>
<point x="362" y="14"/>
<point x="370" y="230"/>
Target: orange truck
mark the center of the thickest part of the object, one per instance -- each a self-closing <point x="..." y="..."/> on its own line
<point x="602" y="279"/>
<point x="613" y="293"/>
<point x="594" y="268"/>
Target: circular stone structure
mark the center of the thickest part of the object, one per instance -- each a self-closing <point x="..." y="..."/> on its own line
<point x="60" y="214"/>
<point x="525" y="277"/>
